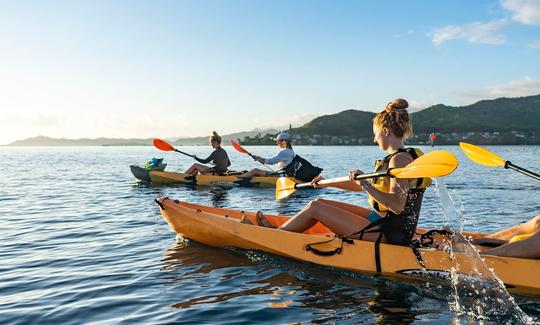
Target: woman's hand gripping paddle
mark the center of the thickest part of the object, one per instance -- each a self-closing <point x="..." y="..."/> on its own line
<point x="165" y="146"/>
<point x="434" y="164"/>
<point x="242" y="150"/>
<point x="487" y="158"/>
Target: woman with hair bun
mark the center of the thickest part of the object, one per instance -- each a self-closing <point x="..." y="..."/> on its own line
<point x="218" y="157"/>
<point x="395" y="203"/>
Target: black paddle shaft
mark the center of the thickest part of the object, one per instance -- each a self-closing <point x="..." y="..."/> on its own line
<point x="187" y="154"/>
<point x="509" y="165"/>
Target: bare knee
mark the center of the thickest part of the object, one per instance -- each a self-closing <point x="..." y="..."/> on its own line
<point x="321" y="200"/>
<point x="314" y="204"/>
<point x="536" y="223"/>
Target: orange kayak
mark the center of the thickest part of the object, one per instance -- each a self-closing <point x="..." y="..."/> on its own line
<point x="222" y="228"/>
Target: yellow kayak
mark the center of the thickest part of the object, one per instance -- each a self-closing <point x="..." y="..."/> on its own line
<point x="162" y="177"/>
<point x="222" y="228"/>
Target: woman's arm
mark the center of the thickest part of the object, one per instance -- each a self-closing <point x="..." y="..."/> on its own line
<point x="207" y="160"/>
<point x="397" y="197"/>
<point x="281" y="156"/>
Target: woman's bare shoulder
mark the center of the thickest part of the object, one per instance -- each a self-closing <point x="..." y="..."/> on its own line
<point x="401" y="159"/>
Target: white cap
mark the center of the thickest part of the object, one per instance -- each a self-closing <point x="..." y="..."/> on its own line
<point x="282" y="136"/>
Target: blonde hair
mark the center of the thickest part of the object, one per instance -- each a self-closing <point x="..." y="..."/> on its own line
<point x="395" y="118"/>
<point x="215" y="137"/>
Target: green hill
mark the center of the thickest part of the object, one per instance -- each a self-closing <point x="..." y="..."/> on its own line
<point x="343" y="123"/>
<point x="498" y="121"/>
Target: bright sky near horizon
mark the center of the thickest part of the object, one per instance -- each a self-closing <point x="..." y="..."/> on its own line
<point x="92" y="69"/>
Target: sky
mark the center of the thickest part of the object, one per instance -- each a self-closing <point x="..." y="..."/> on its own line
<point x="141" y="69"/>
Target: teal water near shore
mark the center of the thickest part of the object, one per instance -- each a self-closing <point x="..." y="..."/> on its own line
<point x="81" y="242"/>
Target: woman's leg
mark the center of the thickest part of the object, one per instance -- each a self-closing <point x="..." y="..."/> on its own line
<point x="361" y="211"/>
<point x="196" y="168"/>
<point x="528" y="227"/>
<point x="340" y="221"/>
<point x="254" y="172"/>
<point x="526" y="248"/>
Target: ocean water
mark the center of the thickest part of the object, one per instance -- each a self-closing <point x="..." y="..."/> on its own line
<point x="82" y="242"/>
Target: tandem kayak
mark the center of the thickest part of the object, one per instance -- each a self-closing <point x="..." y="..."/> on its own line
<point x="162" y="177"/>
<point x="222" y="228"/>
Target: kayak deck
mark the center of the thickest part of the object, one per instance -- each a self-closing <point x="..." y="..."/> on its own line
<point x="222" y="228"/>
<point x="158" y="177"/>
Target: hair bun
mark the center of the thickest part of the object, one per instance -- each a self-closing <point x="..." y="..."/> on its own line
<point x="214" y="133"/>
<point x="396" y="105"/>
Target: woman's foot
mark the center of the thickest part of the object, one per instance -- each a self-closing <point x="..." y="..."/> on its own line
<point x="262" y="221"/>
<point x="246" y="220"/>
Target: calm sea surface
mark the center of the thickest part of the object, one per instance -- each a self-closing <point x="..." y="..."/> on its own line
<point x="82" y="242"/>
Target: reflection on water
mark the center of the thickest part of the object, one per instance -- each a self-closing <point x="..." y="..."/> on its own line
<point x="218" y="196"/>
<point x="323" y="294"/>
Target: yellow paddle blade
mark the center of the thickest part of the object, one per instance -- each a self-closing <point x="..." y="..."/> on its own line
<point x="481" y="156"/>
<point x="433" y="164"/>
<point x="284" y="187"/>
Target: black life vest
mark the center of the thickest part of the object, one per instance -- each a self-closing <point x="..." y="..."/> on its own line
<point x="301" y="169"/>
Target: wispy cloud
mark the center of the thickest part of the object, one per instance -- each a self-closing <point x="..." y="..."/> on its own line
<point x="478" y="32"/>
<point x="535" y="44"/>
<point x="409" y="32"/>
<point x="523" y="11"/>
<point x="526" y="86"/>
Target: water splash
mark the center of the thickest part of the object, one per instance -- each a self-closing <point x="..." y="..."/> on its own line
<point x="481" y="295"/>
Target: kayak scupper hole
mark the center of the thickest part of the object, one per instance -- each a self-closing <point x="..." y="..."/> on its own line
<point x="199" y="210"/>
<point x="226" y="216"/>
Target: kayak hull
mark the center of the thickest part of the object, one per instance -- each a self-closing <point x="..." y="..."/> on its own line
<point x="222" y="228"/>
<point x="142" y="173"/>
<point x="158" y="177"/>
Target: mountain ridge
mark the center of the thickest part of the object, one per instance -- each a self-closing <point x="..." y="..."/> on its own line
<point x="503" y="120"/>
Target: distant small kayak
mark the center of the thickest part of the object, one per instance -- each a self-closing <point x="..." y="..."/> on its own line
<point x="163" y="177"/>
<point x="142" y="173"/>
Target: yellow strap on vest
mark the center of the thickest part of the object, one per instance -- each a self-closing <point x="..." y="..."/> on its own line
<point x="383" y="183"/>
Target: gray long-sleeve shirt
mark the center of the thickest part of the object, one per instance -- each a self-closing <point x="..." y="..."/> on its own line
<point x="219" y="158"/>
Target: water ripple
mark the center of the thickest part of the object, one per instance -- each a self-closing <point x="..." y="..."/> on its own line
<point x="82" y="242"/>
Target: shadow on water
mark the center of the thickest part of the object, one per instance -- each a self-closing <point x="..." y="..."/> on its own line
<point x="298" y="290"/>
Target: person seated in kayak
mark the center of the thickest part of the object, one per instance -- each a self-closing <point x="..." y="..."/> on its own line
<point x="395" y="202"/>
<point x="521" y="241"/>
<point x="218" y="157"/>
<point x="284" y="157"/>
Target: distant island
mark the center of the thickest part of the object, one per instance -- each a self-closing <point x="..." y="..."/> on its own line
<point x="47" y="141"/>
<point x="498" y="121"/>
